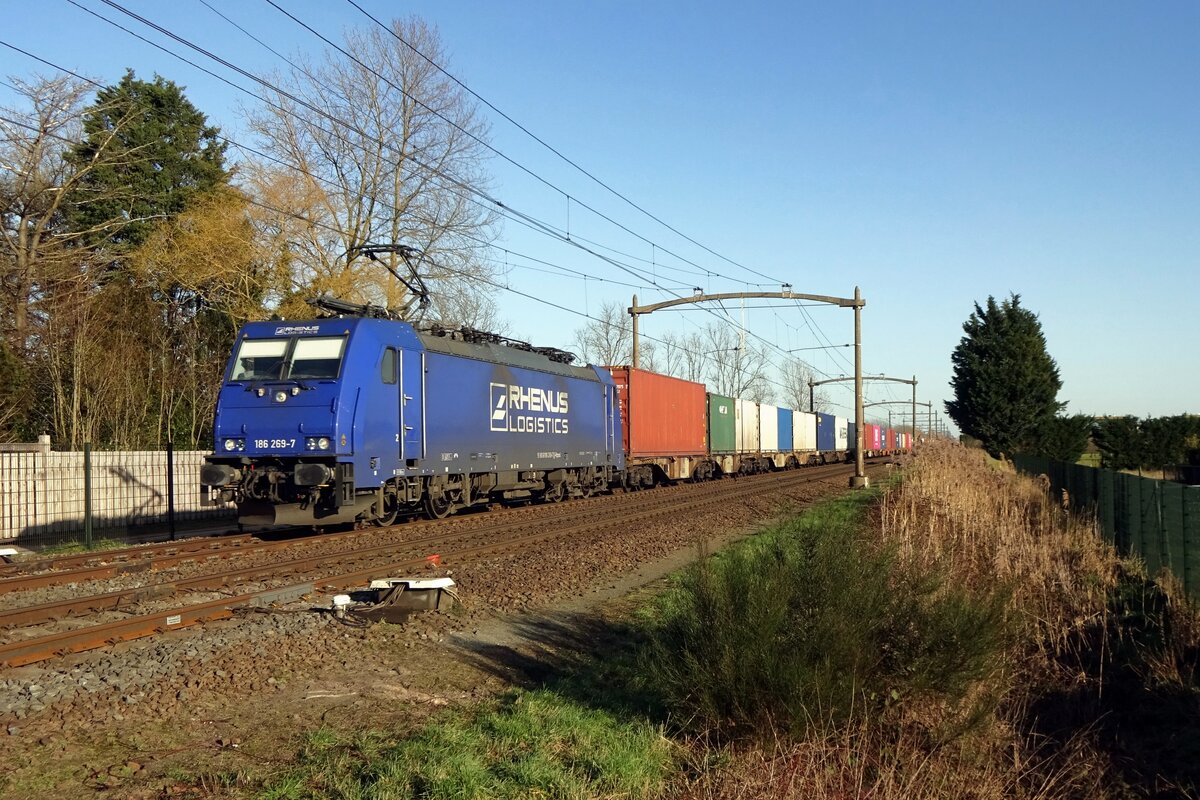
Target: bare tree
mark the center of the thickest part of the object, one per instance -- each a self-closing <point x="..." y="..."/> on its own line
<point x="606" y="339"/>
<point x="737" y="366"/>
<point x="392" y="155"/>
<point x="795" y="376"/>
<point x="36" y="178"/>
<point x="684" y="356"/>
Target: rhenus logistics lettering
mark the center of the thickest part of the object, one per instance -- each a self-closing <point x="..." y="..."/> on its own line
<point x="528" y="409"/>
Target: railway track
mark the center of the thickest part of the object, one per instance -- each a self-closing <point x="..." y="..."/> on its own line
<point x="471" y="538"/>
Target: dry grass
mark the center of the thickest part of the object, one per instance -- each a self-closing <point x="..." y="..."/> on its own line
<point x="990" y="527"/>
<point x="1092" y="638"/>
<point x="860" y="763"/>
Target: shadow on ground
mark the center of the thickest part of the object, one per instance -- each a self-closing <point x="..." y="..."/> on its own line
<point x="582" y="656"/>
<point x="1137" y="696"/>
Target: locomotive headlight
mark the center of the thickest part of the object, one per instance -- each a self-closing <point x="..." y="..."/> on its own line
<point x="234" y="444"/>
<point x="261" y="392"/>
<point x="295" y="391"/>
<point x="281" y="396"/>
<point x="316" y="443"/>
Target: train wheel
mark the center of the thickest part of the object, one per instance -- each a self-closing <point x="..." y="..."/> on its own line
<point x="437" y="506"/>
<point x="391" y="509"/>
<point x="556" y="493"/>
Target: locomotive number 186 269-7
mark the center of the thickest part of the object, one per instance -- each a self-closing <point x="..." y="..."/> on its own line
<point x="265" y="443"/>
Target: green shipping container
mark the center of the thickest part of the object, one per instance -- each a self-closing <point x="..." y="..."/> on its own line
<point x="720" y="424"/>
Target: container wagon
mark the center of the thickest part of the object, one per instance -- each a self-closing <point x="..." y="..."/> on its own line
<point x="664" y="420"/>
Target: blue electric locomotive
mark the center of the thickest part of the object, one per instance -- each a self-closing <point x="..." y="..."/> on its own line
<point x="358" y="418"/>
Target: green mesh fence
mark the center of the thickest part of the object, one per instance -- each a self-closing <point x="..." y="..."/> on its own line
<point x="1156" y="520"/>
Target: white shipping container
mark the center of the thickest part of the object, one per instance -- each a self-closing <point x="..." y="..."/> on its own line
<point x="746" y="426"/>
<point x="804" y="431"/>
<point x="768" y="428"/>
<point x="841" y="426"/>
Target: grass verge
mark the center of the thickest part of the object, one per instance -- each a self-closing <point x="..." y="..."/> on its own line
<point x="955" y="634"/>
<point x="532" y="744"/>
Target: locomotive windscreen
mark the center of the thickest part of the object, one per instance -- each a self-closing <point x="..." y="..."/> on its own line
<point x="317" y="358"/>
<point x="305" y="358"/>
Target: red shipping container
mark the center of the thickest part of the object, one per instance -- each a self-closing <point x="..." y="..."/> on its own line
<point x="891" y="439"/>
<point x="660" y="415"/>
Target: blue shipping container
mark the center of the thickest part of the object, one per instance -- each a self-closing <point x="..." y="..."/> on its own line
<point x="785" y="430"/>
<point x="826" y="433"/>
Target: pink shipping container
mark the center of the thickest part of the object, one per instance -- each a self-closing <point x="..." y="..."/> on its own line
<point x="871" y="441"/>
<point x="661" y="415"/>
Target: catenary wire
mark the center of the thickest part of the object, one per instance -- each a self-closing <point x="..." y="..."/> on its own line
<point x="551" y="148"/>
<point x="547" y="229"/>
<point x="536" y="223"/>
<point x="497" y="285"/>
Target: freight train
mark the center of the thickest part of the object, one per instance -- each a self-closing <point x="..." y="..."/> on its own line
<point x="362" y="418"/>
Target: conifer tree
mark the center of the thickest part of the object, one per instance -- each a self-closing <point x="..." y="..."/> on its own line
<point x="153" y="152"/>
<point x="1005" y="382"/>
<point x="1063" y="438"/>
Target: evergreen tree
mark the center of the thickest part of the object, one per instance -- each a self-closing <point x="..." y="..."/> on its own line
<point x="1063" y="438"/>
<point x="1120" y="442"/>
<point x="1167" y="440"/>
<point x="152" y="151"/>
<point x="1005" y="382"/>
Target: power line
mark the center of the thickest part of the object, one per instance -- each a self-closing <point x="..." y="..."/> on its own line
<point x="481" y="141"/>
<point x="520" y="216"/>
<point x="537" y="223"/>
<point x="318" y="224"/>
<point x="494" y="204"/>
<point x="564" y="236"/>
<point x="550" y="147"/>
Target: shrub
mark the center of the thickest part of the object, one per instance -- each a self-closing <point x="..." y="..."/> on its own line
<point x="810" y="623"/>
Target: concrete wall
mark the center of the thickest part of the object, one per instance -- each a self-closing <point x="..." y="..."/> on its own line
<point x="42" y="492"/>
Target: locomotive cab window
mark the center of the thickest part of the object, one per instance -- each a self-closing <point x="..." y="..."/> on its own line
<point x="258" y="359"/>
<point x="388" y="371"/>
<point x="311" y="358"/>
<point x="317" y="358"/>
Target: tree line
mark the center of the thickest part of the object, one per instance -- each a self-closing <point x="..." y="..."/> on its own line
<point x="1131" y="443"/>
<point x="1006" y="388"/>
<point x="137" y="238"/>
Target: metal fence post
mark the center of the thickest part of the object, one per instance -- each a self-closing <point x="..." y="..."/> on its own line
<point x="171" y="487"/>
<point x="1191" y="539"/>
<point x="87" y="495"/>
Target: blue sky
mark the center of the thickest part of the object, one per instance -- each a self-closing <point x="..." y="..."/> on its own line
<point x="930" y="153"/>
